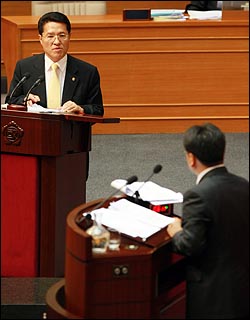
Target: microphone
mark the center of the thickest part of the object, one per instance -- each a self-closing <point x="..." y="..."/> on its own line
<point x="24" y="78"/>
<point x="166" y="209"/>
<point x="35" y="84"/>
<point x="137" y="199"/>
<point x="157" y="169"/>
<point x="129" y="181"/>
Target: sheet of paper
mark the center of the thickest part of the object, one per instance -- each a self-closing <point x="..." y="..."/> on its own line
<point x="37" y="108"/>
<point x="205" y="15"/>
<point x="149" y="191"/>
<point x="131" y="219"/>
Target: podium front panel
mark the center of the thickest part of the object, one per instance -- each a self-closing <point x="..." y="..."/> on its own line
<point x="43" y="134"/>
<point x="19" y="215"/>
<point x="139" y="281"/>
<point x="44" y="168"/>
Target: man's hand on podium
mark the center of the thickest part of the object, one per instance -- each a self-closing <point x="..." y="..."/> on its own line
<point x="174" y="227"/>
<point x="32" y="98"/>
<point x="72" y="107"/>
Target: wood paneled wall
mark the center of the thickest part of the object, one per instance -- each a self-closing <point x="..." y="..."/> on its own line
<point x="23" y="8"/>
<point x="15" y="8"/>
<point x="156" y="77"/>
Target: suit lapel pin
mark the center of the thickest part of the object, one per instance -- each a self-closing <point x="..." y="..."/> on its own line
<point x="73" y="79"/>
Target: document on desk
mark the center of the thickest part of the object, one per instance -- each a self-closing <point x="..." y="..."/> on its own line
<point x="131" y="219"/>
<point x="205" y="15"/>
<point x="37" y="108"/>
<point x="149" y="191"/>
<point x="167" y="14"/>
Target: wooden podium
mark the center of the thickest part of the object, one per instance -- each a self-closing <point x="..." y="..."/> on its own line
<point x="143" y="280"/>
<point x="43" y="176"/>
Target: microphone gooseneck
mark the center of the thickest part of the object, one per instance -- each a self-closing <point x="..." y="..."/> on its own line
<point x="35" y="84"/>
<point x="156" y="169"/>
<point x="24" y="78"/>
<point x="128" y="181"/>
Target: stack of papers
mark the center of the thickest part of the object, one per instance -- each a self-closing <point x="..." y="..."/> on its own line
<point x="162" y="14"/>
<point x="149" y="191"/>
<point x="131" y="219"/>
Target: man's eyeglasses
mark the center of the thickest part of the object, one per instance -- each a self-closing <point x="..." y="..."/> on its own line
<point x="52" y="37"/>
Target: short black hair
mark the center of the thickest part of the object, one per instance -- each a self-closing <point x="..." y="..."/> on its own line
<point x="53" y="16"/>
<point x="207" y="142"/>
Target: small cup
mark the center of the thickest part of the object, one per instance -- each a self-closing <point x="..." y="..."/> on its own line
<point x="114" y="239"/>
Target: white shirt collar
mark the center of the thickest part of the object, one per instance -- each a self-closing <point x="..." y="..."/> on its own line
<point x="204" y="172"/>
<point x="61" y="63"/>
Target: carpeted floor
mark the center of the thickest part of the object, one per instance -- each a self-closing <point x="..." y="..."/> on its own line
<point x="121" y="156"/>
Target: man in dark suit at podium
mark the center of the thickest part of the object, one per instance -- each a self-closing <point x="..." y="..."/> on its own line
<point x="80" y="90"/>
<point x="214" y="231"/>
<point x="79" y="81"/>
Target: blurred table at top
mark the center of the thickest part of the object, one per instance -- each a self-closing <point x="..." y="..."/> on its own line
<point x="157" y="77"/>
<point x="17" y="8"/>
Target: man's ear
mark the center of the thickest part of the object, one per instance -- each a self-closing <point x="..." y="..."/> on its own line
<point x="40" y="38"/>
<point x="191" y="159"/>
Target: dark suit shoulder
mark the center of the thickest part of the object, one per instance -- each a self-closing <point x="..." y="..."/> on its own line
<point x="216" y="182"/>
<point x="222" y="174"/>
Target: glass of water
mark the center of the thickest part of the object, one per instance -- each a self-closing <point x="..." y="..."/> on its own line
<point x="114" y="239"/>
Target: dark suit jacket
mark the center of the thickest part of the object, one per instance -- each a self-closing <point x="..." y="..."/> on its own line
<point x="82" y="83"/>
<point x="215" y="237"/>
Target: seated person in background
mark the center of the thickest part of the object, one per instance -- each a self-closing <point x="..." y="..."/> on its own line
<point x="214" y="231"/>
<point x="202" y="5"/>
<point x="79" y="80"/>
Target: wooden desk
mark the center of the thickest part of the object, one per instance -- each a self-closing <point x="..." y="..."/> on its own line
<point x="143" y="283"/>
<point x="44" y="166"/>
<point x="157" y="77"/>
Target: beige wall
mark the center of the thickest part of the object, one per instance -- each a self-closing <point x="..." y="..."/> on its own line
<point x="69" y="7"/>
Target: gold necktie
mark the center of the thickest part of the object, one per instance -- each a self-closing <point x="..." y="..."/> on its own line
<point x="54" y="97"/>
